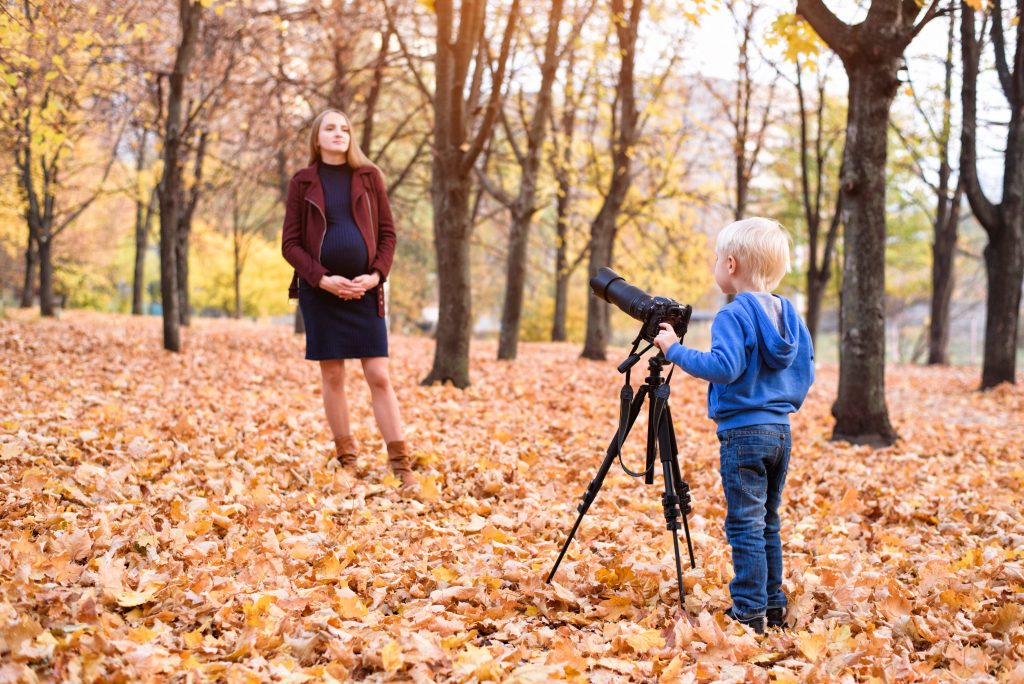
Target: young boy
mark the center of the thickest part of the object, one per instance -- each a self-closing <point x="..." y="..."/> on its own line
<point x="760" y="367"/>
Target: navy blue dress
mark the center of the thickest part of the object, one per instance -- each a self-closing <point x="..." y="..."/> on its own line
<point x="339" y="328"/>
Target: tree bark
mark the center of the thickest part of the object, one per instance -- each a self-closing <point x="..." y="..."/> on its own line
<point x="947" y="217"/>
<point x="1003" y="222"/>
<point x="143" y="211"/>
<point x="819" y="268"/>
<point x="46" y="301"/>
<point x="943" y="251"/>
<point x="185" y="231"/>
<point x="170" y="185"/>
<point x="860" y="410"/>
<point x="523" y="208"/>
<point x="460" y="134"/>
<point x="562" y="163"/>
<point x="28" y="288"/>
<point x="143" y="221"/>
<point x="871" y="52"/>
<point x="603" y="228"/>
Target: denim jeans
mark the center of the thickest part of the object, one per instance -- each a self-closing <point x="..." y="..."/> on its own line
<point x="754" y="461"/>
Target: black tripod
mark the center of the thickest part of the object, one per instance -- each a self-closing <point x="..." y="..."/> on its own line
<point x="661" y="438"/>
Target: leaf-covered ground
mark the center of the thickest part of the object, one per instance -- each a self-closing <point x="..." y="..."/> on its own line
<point x="171" y="515"/>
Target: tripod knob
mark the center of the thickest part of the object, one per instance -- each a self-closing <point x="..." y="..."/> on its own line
<point x="684" y="498"/>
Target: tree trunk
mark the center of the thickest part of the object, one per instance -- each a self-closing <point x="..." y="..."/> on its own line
<point x="451" y="241"/>
<point x="602" y="242"/>
<point x="46" y="300"/>
<point x="947" y="217"/>
<point x="563" y="177"/>
<point x="238" y="284"/>
<point x="28" y="288"/>
<point x="181" y="264"/>
<point x="170" y="184"/>
<point x="602" y="230"/>
<point x="515" y="282"/>
<point x="523" y="208"/>
<point x="461" y="128"/>
<point x="143" y="220"/>
<point x="1004" y="269"/>
<point x="943" y="250"/>
<point x="561" y="265"/>
<point x="1003" y="222"/>
<point x="185" y="230"/>
<point x="860" y="409"/>
<point x="815" y="294"/>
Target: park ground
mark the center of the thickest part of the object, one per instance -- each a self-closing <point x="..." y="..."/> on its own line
<point x="175" y="515"/>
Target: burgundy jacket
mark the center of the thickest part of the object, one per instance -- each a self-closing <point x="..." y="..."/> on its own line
<point x="305" y="225"/>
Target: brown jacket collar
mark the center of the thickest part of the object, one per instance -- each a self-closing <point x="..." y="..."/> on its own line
<point x="315" y="191"/>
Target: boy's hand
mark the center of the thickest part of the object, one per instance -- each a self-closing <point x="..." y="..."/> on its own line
<point x="666" y="338"/>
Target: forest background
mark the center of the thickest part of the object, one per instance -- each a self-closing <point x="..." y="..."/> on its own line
<point x="718" y="87"/>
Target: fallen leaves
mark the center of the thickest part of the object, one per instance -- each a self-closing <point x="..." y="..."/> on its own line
<point x="172" y="513"/>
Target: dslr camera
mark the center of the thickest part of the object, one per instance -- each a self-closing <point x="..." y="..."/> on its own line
<point x="650" y="311"/>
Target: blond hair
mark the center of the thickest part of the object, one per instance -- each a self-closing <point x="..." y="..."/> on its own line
<point x="762" y="245"/>
<point x="355" y="157"/>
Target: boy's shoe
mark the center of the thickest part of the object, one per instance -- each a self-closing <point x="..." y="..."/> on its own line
<point x="755" y="623"/>
<point x="775" y="617"/>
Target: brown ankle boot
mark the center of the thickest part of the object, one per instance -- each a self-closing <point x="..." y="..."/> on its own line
<point x="398" y="458"/>
<point x="346" y="449"/>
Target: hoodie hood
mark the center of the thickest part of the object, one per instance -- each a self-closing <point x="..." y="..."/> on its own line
<point x="778" y="350"/>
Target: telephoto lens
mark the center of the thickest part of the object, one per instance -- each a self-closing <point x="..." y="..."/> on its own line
<point x="613" y="288"/>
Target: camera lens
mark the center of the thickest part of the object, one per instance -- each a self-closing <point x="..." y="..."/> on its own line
<point x="611" y="287"/>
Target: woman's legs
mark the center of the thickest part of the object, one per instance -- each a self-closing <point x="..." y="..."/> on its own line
<point x="332" y="374"/>
<point x="382" y="394"/>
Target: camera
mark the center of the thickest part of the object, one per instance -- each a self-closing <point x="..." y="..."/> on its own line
<point x="651" y="311"/>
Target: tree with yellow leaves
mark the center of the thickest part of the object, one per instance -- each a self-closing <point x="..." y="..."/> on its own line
<point x="57" y="60"/>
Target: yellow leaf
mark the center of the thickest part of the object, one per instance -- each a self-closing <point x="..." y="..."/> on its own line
<point x="645" y="641"/>
<point x="327" y="568"/>
<point x="443" y="574"/>
<point x="255" y="611"/>
<point x="428" y="488"/>
<point x="616" y="607"/>
<point x="492" y="533"/>
<point x="141" y="634"/>
<point x="392" y="656"/>
<point x="349" y="605"/>
<point x="811" y="645"/>
<point x="129" y="598"/>
<point x="193" y="639"/>
<point x="781" y="675"/>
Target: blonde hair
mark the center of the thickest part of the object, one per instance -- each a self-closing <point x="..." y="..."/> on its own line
<point x="762" y="245"/>
<point x="355" y="157"/>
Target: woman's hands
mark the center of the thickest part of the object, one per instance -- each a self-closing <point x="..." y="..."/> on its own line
<point x="367" y="281"/>
<point x="349" y="289"/>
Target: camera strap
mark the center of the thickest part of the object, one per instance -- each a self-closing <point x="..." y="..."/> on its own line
<point x="625" y="402"/>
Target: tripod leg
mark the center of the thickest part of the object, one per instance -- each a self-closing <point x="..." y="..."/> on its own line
<point x="595" y="485"/>
<point x="669" y="500"/>
<point x="681" y="488"/>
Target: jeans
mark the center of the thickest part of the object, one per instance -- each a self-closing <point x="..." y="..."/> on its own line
<point x="754" y="461"/>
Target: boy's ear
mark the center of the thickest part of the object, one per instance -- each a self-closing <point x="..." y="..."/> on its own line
<point x="731" y="264"/>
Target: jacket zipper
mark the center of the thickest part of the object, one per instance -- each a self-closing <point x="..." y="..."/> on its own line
<point x="324" y="216"/>
<point x="373" y="227"/>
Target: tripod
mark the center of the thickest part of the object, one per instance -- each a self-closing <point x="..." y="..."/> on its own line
<point x="661" y="439"/>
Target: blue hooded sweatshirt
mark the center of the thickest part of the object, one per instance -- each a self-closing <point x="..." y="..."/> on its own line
<point x="758" y="376"/>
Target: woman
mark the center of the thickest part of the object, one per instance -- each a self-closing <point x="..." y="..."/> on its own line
<point x="339" y="235"/>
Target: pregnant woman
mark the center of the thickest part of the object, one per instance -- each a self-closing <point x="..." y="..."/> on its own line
<point x="339" y="236"/>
